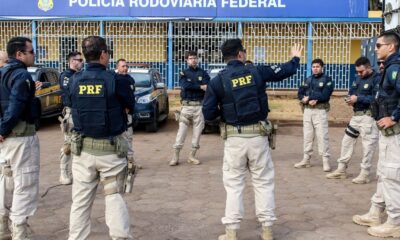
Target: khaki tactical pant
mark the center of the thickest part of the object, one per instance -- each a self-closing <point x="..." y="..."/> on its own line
<point x="242" y="155"/>
<point x="389" y="176"/>
<point x="23" y="154"/>
<point x="315" y="122"/>
<point x="65" y="159"/>
<point x="128" y="136"/>
<point x="87" y="171"/>
<point x="194" y="115"/>
<point x="369" y="134"/>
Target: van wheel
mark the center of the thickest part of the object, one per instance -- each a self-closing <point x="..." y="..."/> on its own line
<point x="153" y="126"/>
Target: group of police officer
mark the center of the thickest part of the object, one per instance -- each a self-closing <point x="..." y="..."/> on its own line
<point x="95" y="124"/>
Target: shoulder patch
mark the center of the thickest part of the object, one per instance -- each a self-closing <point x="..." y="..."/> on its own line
<point x="394" y="75"/>
<point x="366" y="86"/>
<point x="329" y="83"/>
<point x="182" y="73"/>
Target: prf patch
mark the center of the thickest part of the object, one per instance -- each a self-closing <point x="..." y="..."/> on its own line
<point x="366" y="86"/>
<point x="66" y="81"/>
<point x="200" y="78"/>
<point x="394" y="75"/>
<point x="321" y="84"/>
<point x="91" y="90"/>
<point x="242" y="81"/>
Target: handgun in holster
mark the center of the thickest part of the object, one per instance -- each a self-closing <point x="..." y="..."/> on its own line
<point x="132" y="170"/>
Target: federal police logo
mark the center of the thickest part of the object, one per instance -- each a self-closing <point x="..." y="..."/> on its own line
<point x="366" y="86"/>
<point x="394" y="75"/>
<point x="45" y="5"/>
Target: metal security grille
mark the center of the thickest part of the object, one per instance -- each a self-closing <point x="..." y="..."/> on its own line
<point x="338" y="44"/>
<point x="139" y="42"/>
<point x="270" y="43"/>
<point x="203" y="37"/>
<point x="332" y="42"/>
<point x="10" y="29"/>
<point x="56" y="39"/>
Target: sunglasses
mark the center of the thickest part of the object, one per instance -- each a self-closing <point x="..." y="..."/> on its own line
<point x="380" y="62"/>
<point x="79" y="60"/>
<point x="31" y="52"/>
<point x="379" y="45"/>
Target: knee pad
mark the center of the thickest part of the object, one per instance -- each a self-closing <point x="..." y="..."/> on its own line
<point x="351" y="132"/>
<point x="114" y="184"/>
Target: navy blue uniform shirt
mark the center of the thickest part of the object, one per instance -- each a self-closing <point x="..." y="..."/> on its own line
<point x="215" y="90"/>
<point x="22" y="91"/>
<point x="316" y="87"/>
<point x="364" y="89"/>
<point x="190" y="80"/>
<point x="64" y="85"/>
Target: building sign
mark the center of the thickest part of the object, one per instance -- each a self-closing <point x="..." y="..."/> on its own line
<point x="188" y="8"/>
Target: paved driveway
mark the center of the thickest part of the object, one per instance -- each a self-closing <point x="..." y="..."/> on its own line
<point x="187" y="202"/>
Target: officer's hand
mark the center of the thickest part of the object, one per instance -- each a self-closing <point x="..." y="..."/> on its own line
<point x="386" y="122"/>
<point x="312" y="102"/>
<point x="353" y="99"/>
<point x="203" y="87"/>
<point x="305" y="99"/>
<point x="38" y="85"/>
<point x="2" y="139"/>
<point x="297" y="50"/>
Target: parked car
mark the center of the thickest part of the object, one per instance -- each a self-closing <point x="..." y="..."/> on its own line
<point x="152" y="106"/>
<point x="50" y="93"/>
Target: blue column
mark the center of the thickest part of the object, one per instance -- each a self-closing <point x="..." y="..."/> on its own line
<point x="309" y="47"/>
<point x="170" y="56"/>
<point x="101" y="26"/>
<point x="34" y="38"/>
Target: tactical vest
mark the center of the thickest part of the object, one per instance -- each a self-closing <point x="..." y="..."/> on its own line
<point x="190" y="94"/>
<point x="317" y="86"/>
<point x="387" y="98"/>
<point x="364" y="87"/>
<point x="32" y="110"/>
<point x="244" y="101"/>
<point x="96" y="111"/>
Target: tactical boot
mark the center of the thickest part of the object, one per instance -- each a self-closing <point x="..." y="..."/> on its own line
<point x="339" y="173"/>
<point x="325" y="165"/>
<point x="5" y="233"/>
<point x="21" y="232"/>
<point x="372" y="218"/>
<point x="266" y="233"/>
<point x="175" y="160"/>
<point x="362" y="178"/>
<point x="305" y="163"/>
<point x="65" y="176"/>
<point x="385" y="230"/>
<point x="230" y="234"/>
<point x="192" y="159"/>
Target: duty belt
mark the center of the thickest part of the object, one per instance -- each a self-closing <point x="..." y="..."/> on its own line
<point x="191" y="103"/>
<point x="393" y="130"/>
<point x="252" y="129"/>
<point x="92" y="145"/>
<point x="361" y="113"/>
<point x="325" y="106"/>
<point x="23" y="129"/>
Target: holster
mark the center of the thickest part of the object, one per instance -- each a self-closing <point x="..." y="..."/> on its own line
<point x="130" y="175"/>
<point x="375" y="109"/>
<point x="223" y="133"/>
<point x="121" y="146"/>
<point x="270" y="131"/>
<point x="302" y="106"/>
<point x="76" y="143"/>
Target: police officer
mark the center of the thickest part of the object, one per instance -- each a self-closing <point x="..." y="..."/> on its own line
<point x="122" y="70"/>
<point x="75" y="63"/>
<point x="314" y="94"/>
<point x="18" y="140"/>
<point x="98" y="103"/>
<point x="360" y="96"/>
<point x="3" y="58"/>
<point x="193" y="83"/>
<point x="386" y="110"/>
<point x="238" y="95"/>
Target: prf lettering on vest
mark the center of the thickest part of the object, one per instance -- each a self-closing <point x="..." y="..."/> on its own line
<point x="242" y="81"/>
<point x="90" y="89"/>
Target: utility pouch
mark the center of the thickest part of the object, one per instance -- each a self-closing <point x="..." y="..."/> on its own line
<point x="121" y="146"/>
<point x="375" y="109"/>
<point x="76" y="143"/>
<point x="5" y="169"/>
<point x="223" y="133"/>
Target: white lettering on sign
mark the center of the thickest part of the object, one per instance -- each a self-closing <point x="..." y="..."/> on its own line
<point x="173" y="3"/>
<point x="252" y="4"/>
<point x="97" y="3"/>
